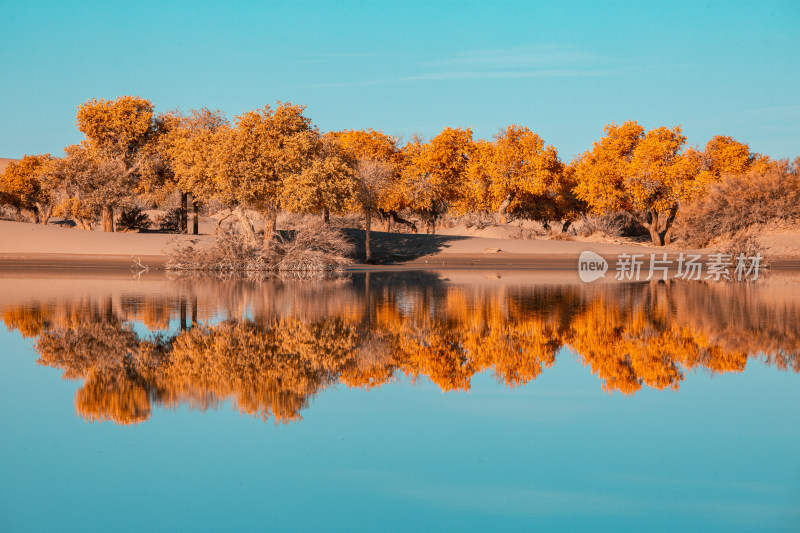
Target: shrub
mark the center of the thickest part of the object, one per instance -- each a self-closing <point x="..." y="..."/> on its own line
<point x="529" y="230"/>
<point x="313" y="247"/>
<point x="170" y="221"/>
<point x="741" y="201"/>
<point x="611" y="224"/>
<point x="133" y="219"/>
<point x="478" y="220"/>
<point x="557" y="235"/>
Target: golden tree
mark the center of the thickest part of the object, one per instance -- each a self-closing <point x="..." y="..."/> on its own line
<point x="175" y="158"/>
<point x="722" y="156"/>
<point x="251" y="160"/>
<point x="523" y="171"/>
<point x="476" y="189"/>
<point x="86" y="186"/>
<point x="115" y="131"/>
<point x="643" y="174"/>
<point x="434" y="171"/>
<point x="26" y="186"/>
<point x="378" y="155"/>
<point x="327" y="183"/>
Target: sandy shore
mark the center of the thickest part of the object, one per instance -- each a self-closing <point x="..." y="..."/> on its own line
<point x="25" y="245"/>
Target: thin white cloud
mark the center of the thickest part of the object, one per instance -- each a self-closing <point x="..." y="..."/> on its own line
<point x="467" y="75"/>
<point x="539" y="61"/>
<point x="524" y="57"/>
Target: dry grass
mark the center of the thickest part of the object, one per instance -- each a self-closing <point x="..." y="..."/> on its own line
<point x="748" y="244"/>
<point x="743" y="201"/>
<point x="133" y="219"/>
<point x="609" y="225"/>
<point x="556" y="234"/>
<point x="529" y="230"/>
<point x="476" y="219"/>
<point x="315" y="247"/>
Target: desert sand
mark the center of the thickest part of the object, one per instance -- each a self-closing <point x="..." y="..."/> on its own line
<point x="4" y="163"/>
<point x="24" y="245"/>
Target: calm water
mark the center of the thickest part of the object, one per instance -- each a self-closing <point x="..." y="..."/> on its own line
<point x="449" y="401"/>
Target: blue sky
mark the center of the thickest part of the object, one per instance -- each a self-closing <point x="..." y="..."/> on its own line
<point x="564" y="69"/>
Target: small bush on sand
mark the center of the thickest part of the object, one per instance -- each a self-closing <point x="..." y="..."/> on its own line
<point x="741" y="201"/>
<point x="528" y="230"/>
<point x="616" y="224"/>
<point x="133" y="219"/>
<point x="557" y="235"/>
<point x="313" y="247"/>
<point x="478" y="220"/>
<point x="747" y="242"/>
<point x="170" y="221"/>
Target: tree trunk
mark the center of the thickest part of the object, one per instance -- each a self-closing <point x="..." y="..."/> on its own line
<point x="654" y="234"/>
<point x="430" y="223"/>
<point x="108" y="219"/>
<point x="196" y="213"/>
<point x="44" y="212"/>
<point x="184" y="223"/>
<point x="326" y="216"/>
<point x="660" y="237"/>
<point x="367" y="229"/>
<point x="182" y="306"/>
<point x="271" y="226"/>
<point x="666" y="237"/>
<point x="650" y="222"/>
<point x="502" y="216"/>
<point x="247" y="225"/>
<point x="400" y="220"/>
<point x="194" y="309"/>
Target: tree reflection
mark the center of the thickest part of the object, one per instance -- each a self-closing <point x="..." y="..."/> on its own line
<point x="279" y="344"/>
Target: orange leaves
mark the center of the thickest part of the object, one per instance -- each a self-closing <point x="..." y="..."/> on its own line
<point x="522" y="164"/>
<point x="656" y="171"/>
<point x="433" y="173"/>
<point x="25" y="182"/>
<point x="116" y="128"/>
<point x="523" y="170"/>
<point x="327" y="182"/>
<point x="601" y="171"/>
<point x="725" y="155"/>
<point x="644" y="174"/>
<point x="367" y="144"/>
<point x="253" y="158"/>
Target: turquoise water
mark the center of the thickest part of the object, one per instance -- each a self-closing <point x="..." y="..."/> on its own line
<point x="713" y="450"/>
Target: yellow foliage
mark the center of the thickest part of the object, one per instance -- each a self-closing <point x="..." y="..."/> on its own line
<point x="433" y="173"/>
<point x="523" y="169"/>
<point x="116" y="129"/>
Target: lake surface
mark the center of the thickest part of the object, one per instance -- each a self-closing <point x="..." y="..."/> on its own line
<point x="398" y="401"/>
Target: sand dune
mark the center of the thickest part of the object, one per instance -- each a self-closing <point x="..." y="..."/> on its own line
<point x="4" y="163"/>
<point x="22" y="241"/>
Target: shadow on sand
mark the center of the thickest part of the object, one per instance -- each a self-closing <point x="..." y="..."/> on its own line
<point x="399" y="247"/>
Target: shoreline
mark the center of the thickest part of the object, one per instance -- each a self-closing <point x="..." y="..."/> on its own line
<point x="25" y="246"/>
<point x="479" y="261"/>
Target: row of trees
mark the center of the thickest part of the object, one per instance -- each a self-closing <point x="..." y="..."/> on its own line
<point x="275" y="159"/>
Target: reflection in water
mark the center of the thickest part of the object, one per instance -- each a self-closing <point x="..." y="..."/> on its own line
<point x="270" y="346"/>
